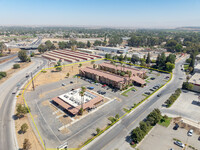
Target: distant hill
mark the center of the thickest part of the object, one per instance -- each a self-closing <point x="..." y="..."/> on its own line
<point x="189" y="28"/>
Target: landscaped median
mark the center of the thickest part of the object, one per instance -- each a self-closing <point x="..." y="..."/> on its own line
<point x="133" y="107"/>
<point x="125" y="92"/>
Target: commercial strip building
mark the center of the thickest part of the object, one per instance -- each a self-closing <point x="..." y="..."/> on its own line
<point x="106" y="74"/>
<point x="72" y="101"/>
<point x="195" y="81"/>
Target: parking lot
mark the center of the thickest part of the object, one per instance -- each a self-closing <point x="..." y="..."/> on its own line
<point x="186" y="106"/>
<point x="50" y="118"/>
<point x="161" y="138"/>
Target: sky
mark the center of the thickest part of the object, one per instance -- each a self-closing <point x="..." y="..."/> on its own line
<point x="105" y="13"/>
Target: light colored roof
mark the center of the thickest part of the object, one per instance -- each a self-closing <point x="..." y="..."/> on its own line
<point x="197" y="66"/>
<point x="75" y="110"/>
<point x="195" y="79"/>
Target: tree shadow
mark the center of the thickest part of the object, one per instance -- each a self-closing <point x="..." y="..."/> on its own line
<point x="20" y="132"/>
<point x="15" y="117"/>
<point x="128" y="139"/>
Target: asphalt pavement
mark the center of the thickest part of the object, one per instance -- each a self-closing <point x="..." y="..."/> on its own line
<point x="7" y="105"/>
<point x="117" y="136"/>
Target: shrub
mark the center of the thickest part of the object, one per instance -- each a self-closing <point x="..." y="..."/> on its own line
<point x="32" y="54"/>
<point x="3" y="74"/>
<point x="16" y="66"/>
<point x="173" y="98"/>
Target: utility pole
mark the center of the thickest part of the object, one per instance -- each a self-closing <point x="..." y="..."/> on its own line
<point x="32" y="81"/>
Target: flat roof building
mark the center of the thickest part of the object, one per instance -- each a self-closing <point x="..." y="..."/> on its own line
<point x="195" y="81"/>
<point x="71" y="101"/>
<point x="113" y="49"/>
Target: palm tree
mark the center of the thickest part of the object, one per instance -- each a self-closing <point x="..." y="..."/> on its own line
<point x="83" y="89"/>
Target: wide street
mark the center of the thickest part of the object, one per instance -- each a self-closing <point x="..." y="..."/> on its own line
<point x="7" y="104"/>
<point x="116" y="137"/>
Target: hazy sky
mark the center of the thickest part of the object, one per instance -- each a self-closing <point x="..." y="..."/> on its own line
<point x="118" y="13"/>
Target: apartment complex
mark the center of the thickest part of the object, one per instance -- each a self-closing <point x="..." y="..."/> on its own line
<point x="106" y="74"/>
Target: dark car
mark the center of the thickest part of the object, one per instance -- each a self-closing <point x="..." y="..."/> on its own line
<point x="159" y="95"/>
<point x="133" y="90"/>
<point x="199" y="138"/>
<point x="103" y="93"/>
<point x="176" y="127"/>
<point x="99" y="92"/>
<point x="152" y="78"/>
<point x="71" y="82"/>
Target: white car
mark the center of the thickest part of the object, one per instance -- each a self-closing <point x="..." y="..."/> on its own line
<point x="190" y="132"/>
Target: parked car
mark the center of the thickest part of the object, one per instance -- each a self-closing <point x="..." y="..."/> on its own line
<point x="190" y="132"/>
<point x="96" y="84"/>
<point x="199" y="138"/>
<point x="63" y="84"/>
<point x="147" y="93"/>
<point x="151" y="89"/>
<point x="71" y="82"/>
<point x="90" y="88"/>
<point x="159" y="95"/>
<point x="152" y="78"/>
<point x="103" y="93"/>
<point x="99" y="92"/>
<point x="176" y="127"/>
<point x="104" y="85"/>
<point x="133" y="90"/>
<point x="179" y="144"/>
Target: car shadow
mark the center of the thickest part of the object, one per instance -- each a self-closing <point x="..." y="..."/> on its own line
<point x="196" y="103"/>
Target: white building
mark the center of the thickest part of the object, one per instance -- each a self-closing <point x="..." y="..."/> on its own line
<point x="113" y="49"/>
<point x="195" y="81"/>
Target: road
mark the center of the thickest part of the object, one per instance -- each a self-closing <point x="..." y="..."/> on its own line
<point x="9" y="56"/>
<point x="8" y="64"/>
<point x="7" y="105"/>
<point x="116" y="137"/>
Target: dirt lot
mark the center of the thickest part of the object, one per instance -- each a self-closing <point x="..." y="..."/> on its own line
<point x="30" y="135"/>
<point x="161" y="138"/>
<point x="51" y="75"/>
<point x="12" y="71"/>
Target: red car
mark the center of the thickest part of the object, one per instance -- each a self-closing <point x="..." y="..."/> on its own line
<point x="104" y="85"/>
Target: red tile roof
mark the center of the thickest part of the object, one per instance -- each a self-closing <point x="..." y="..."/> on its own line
<point x="118" y="67"/>
<point x="75" y="110"/>
<point x="106" y="75"/>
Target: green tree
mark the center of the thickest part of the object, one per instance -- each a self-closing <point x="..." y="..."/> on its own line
<point x="88" y="44"/>
<point x="98" y="130"/>
<point x="137" y="135"/>
<point x="16" y="66"/>
<point x="24" y="128"/>
<point x="148" y="60"/>
<point x="26" y="145"/>
<point x="22" y="55"/>
<point x="158" y="60"/>
<point x="21" y="110"/>
<point x="58" y="66"/>
<point x="144" y="127"/>
<point x="135" y="59"/>
<point x="42" y="48"/>
<point x="115" y="40"/>
<point x="169" y="66"/>
<point x="162" y="60"/>
<point x="117" y="116"/>
<point x="171" y="58"/>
